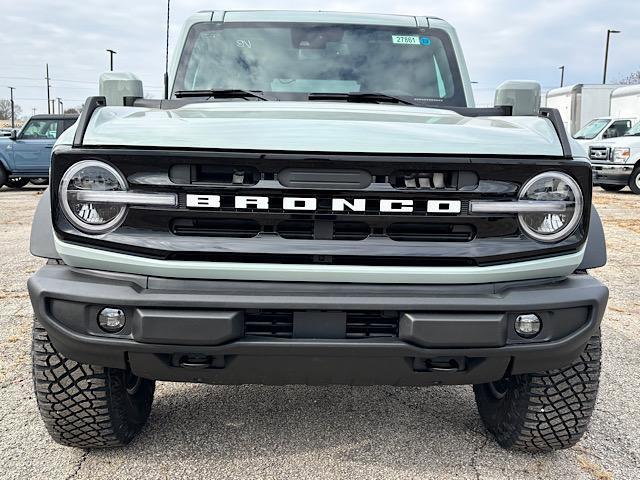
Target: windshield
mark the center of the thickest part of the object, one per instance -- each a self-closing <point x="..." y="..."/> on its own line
<point x="293" y="60"/>
<point x="635" y="130"/>
<point x="591" y="129"/>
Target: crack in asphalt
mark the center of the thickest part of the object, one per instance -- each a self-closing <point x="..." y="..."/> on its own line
<point x="78" y="466"/>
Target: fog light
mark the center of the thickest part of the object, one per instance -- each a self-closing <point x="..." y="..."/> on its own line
<point x="111" y="320"/>
<point x="528" y="325"/>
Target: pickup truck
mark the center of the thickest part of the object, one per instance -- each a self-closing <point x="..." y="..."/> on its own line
<point x="317" y="201"/>
<point x="25" y="155"/>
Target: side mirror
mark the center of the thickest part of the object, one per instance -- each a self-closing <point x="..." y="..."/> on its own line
<point x="114" y="86"/>
<point x="522" y="95"/>
<point x="609" y="133"/>
<point x="14" y="134"/>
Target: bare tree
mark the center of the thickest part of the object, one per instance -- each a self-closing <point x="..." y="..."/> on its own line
<point x="74" y="110"/>
<point x="632" y="79"/>
<point x="5" y="110"/>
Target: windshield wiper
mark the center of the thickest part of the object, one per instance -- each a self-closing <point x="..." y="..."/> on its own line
<point x="222" y="93"/>
<point x="362" y="97"/>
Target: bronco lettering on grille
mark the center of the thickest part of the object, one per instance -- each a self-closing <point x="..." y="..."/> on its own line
<point x="337" y="204"/>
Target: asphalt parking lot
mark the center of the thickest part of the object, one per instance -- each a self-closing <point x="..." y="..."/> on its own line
<point x="200" y="431"/>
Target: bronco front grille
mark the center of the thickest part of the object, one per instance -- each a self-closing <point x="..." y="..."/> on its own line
<point x="437" y="230"/>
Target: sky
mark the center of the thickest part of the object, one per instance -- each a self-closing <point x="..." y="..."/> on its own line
<point x="502" y="40"/>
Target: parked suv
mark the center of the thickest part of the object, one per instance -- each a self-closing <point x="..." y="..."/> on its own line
<point x="26" y="154"/>
<point x="317" y="202"/>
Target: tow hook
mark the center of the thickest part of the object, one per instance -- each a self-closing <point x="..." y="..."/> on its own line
<point x="198" y="361"/>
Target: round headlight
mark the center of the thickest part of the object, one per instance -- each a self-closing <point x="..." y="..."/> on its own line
<point x="551" y="187"/>
<point x="92" y="176"/>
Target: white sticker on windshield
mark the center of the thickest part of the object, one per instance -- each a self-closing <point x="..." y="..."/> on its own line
<point x="405" y="39"/>
<point x="410" y="40"/>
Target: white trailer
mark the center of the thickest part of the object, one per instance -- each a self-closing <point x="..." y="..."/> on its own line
<point x="625" y="102"/>
<point x="579" y="104"/>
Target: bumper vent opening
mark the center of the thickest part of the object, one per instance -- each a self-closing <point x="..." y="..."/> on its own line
<point x="360" y="324"/>
<point x="269" y="323"/>
<point x="372" y="324"/>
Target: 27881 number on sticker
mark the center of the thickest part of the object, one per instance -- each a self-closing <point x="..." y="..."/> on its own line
<point x="410" y="40"/>
<point x="406" y="39"/>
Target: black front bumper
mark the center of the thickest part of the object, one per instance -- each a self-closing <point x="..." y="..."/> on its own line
<point x="194" y="330"/>
<point x="611" y="174"/>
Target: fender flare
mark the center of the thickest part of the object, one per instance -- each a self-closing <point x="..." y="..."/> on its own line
<point x="42" y="242"/>
<point x="595" y="254"/>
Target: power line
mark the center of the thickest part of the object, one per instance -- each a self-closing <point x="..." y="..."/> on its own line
<point x="158" y="87"/>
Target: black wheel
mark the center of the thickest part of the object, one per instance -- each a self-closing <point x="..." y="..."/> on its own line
<point x="40" y="181"/>
<point x="546" y="411"/>
<point x="612" y="188"/>
<point x="634" y="180"/>
<point x="87" y="406"/>
<point x="16" y="182"/>
<point x="3" y="176"/>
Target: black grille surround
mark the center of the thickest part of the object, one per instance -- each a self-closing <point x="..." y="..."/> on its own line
<point x="322" y="236"/>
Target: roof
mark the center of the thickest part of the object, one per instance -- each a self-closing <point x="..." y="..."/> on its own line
<point x="314" y="16"/>
<point x="627" y="90"/>
<point x="53" y="116"/>
<point x="578" y="87"/>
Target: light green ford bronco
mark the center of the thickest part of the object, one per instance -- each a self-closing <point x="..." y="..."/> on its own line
<point x="317" y="201"/>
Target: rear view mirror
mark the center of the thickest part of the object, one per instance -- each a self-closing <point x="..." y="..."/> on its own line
<point x="115" y="86"/>
<point x="522" y="95"/>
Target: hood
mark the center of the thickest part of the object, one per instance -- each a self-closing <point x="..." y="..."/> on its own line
<point x="321" y="127"/>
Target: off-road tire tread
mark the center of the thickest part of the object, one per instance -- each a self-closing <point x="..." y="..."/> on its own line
<point x="84" y="405"/>
<point x="546" y="411"/>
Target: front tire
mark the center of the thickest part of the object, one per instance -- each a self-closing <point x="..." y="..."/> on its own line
<point x="83" y="405"/>
<point x="16" y="182"/>
<point x="612" y="188"/>
<point x="40" y="181"/>
<point x="546" y="411"/>
<point x="634" y="180"/>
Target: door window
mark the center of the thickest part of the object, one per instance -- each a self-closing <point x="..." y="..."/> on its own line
<point x="40" y="130"/>
<point x="620" y="127"/>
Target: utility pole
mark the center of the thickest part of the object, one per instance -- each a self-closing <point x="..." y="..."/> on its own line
<point x="166" y="58"/>
<point x="52" y="106"/>
<point x="111" y="54"/>
<point x="33" y="110"/>
<point x="13" y="111"/>
<point x="48" y="91"/>
<point x="561" y="75"/>
<point x="59" y="104"/>
<point x="606" y="55"/>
